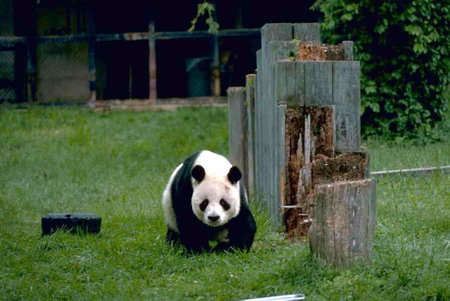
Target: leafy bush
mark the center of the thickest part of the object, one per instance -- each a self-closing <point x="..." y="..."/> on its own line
<point x="403" y="47"/>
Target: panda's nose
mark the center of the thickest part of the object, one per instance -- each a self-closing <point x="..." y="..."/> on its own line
<point x="213" y="218"/>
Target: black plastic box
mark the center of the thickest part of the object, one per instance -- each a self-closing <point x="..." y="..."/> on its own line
<point x="72" y="222"/>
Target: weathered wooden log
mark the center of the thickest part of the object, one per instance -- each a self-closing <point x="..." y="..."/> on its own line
<point x="308" y="136"/>
<point x="324" y="84"/>
<point x="237" y="130"/>
<point x="344" y="222"/>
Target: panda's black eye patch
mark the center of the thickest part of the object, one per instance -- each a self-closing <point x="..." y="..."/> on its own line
<point x="224" y="204"/>
<point x="204" y="204"/>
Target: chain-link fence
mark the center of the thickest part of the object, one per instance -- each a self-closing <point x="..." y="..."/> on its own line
<point x="7" y="91"/>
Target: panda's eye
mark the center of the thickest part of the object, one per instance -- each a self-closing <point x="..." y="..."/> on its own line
<point x="224" y="204"/>
<point x="204" y="204"/>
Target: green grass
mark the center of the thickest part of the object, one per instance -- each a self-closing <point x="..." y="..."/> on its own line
<point x="116" y="165"/>
<point x="422" y="152"/>
<point x="389" y="156"/>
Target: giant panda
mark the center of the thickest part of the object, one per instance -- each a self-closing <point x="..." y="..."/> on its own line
<point x="205" y="202"/>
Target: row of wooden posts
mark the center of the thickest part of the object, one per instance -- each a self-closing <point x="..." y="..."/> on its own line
<point x="294" y="129"/>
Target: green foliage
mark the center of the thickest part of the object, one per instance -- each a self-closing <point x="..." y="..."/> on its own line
<point x="403" y="47"/>
<point x="203" y="9"/>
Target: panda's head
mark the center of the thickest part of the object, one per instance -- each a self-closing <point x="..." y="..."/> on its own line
<point x="215" y="200"/>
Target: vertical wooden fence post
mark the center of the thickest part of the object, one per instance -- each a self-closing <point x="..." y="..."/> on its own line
<point x="152" y="94"/>
<point x="91" y="55"/>
<point x="250" y="106"/>
<point x="237" y="129"/>
<point x="31" y="58"/>
<point x="215" y="68"/>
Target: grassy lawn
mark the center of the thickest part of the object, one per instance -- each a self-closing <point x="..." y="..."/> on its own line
<point x="116" y="165"/>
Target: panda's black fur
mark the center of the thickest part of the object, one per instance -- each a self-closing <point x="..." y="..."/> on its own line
<point x="193" y="234"/>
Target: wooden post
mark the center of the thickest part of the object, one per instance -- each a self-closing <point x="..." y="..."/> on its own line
<point x="308" y="167"/>
<point x="318" y="83"/>
<point x="348" y="46"/>
<point x="215" y="73"/>
<point x="215" y="70"/>
<point x="283" y="161"/>
<point x="91" y="56"/>
<point x="250" y="105"/>
<point x="152" y="94"/>
<point x="306" y="32"/>
<point x="346" y="99"/>
<point x="273" y="37"/>
<point x="31" y="57"/>
<point x="309" y="170"/>
<point x="257" y="141"/>
<point x="344" y="223"/>
<point x="237" y="130"/>
<point x="31" y="69"/>
<point x="276" y="44"/>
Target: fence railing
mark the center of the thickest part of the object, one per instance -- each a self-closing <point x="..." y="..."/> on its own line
<point x="40" y="54"/>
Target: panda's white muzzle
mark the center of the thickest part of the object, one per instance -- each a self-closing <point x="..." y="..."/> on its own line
<point x="213" y="217"/>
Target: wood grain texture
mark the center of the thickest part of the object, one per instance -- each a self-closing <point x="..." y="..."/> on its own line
<point x="318" y="83"/>
<point x="282" y="163"/>
<point x="237" y="130"/>
<point x="258" y="109"/>
<point x="306" y="32"/>
<point x="275" y="45"/>
<point x="290" y="83"/>
<point x="348" y="46"/>
<point x="280" y="181"/>
<point x="250" y="106"/>
<point x="346" y="99"/>
<point x="343" y="226"/>
<point x="276" y="32"/>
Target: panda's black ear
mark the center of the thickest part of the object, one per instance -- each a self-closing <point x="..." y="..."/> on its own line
<point x="234" y="174"/>
<point x="198" y="173"/>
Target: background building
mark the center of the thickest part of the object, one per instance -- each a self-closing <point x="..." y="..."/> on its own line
<point x="76" y="50"/>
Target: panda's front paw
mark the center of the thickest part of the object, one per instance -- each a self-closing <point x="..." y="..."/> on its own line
<point x="198" y="249"/>
<point x="223" y="246"/>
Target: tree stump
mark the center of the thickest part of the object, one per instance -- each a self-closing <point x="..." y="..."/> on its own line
<point x="344" y="223"/>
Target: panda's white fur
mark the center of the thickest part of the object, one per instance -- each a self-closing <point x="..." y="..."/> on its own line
<point x="214" y="187"/>
<point x="169" y="214"/>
